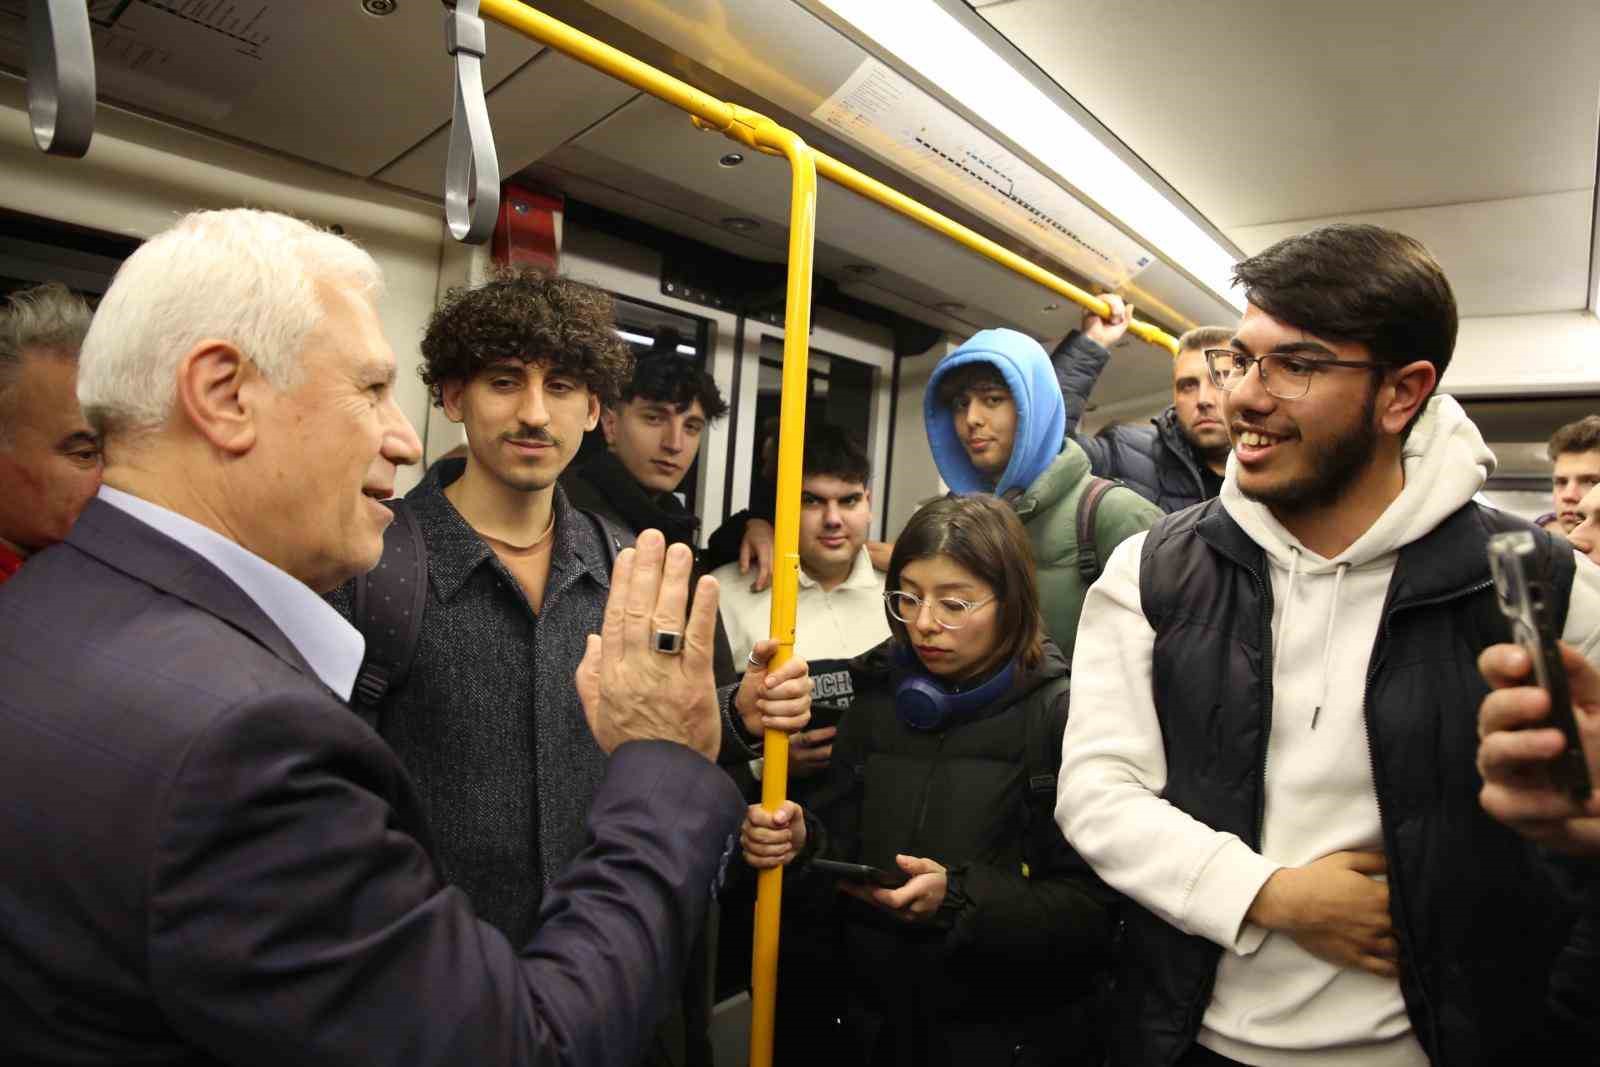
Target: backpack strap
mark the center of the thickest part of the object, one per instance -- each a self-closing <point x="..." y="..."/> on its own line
<point x="1041" y="762"/>
<point x="388" y="606"/>
<point x="1089" y="562"/>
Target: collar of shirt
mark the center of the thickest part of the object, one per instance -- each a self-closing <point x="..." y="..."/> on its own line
<point x="10" y="563"/>
<point x="331" y="646"/>
<point x="861" y="575"/>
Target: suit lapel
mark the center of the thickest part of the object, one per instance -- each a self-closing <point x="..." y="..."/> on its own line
<point x="140" y="551"/>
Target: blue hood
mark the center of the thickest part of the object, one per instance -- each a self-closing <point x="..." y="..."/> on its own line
<point x="1041" y="415"/>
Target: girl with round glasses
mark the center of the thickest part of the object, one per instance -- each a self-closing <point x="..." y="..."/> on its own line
<point x="943" y="779"/>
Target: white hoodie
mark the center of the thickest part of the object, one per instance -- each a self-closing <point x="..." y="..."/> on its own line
<point x="1274" y="1003"/>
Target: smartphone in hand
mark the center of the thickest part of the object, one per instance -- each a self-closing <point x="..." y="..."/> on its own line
<point x="1525" y="599"/>
<point x="860" y="872"/>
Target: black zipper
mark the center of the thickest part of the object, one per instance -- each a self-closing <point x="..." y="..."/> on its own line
<point x="1396" y="898"/>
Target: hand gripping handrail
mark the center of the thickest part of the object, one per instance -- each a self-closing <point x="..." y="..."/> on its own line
<point x="60" y="76"/>
<point x="471" y="173"/>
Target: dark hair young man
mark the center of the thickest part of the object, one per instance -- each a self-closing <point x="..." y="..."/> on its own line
<point x="839" y="614"/>
<point x="995" y="422"/>
<point x="1575" y="451"/>
<point x="1180" y="457"/>
<point x="653" y="430"/>
<point x="49" y="457"/>
<point x="1272" y="740"/>
<point x="487" y="719"/>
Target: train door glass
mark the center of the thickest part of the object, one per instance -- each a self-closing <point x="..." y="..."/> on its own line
<point x="657" y="333"/>
<point x="840" y="398"/>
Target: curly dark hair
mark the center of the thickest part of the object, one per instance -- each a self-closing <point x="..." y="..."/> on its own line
<point x="677" y="380"/>
<point x="529" y="315"/>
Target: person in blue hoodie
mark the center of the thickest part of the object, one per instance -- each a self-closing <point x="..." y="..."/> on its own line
<point x="997" y="424"/>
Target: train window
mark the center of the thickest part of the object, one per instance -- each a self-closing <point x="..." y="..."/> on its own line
<point x="839" y="399"/>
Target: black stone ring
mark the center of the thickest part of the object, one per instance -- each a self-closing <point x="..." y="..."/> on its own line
<point x="667" y="642"/>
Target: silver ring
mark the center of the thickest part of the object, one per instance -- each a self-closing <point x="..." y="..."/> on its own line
<point x="667" y="642"/>
<point x="751" y="659"/>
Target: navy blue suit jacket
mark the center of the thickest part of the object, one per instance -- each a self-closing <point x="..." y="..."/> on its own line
<point x="208" y="858"/>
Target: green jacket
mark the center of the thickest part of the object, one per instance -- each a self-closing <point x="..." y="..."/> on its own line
<point x="1049" y="512"/>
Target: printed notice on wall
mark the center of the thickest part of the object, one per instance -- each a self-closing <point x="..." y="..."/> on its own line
<point x="888" y="115"/>
<point x="194" y="58"/>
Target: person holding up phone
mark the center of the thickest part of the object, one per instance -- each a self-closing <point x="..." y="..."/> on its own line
<point x="944" y="772"/>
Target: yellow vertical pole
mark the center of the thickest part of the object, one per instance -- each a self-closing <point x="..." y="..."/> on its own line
<point x="786" y="562"/>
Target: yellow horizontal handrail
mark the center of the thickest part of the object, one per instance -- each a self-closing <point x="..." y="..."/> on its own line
<point x="852" y="179"/>
<point x="757" y="131"/>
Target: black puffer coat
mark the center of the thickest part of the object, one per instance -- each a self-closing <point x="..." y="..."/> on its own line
<point x="1157" y="461"/>
<point x="1007" y="971"/>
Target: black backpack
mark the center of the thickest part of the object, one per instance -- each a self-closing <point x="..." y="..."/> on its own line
<point x="389" y="600"/>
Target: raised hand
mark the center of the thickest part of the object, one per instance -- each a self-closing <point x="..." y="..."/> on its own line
<point x="1515" y="750"/>
<point x="632" y="690"/>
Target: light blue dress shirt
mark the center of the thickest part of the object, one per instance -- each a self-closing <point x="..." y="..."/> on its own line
<point x="328" y="643"/>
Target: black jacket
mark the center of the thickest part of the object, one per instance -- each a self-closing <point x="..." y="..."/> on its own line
<point x="1482" y="919"/>
<point x="1157" y="461"/>
<point x="1013" y="957"/>
<point x="209" y="860"/>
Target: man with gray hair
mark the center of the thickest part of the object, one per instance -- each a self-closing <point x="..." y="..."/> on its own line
<point x="209" y="857"/>
<point x="49" y="458"/>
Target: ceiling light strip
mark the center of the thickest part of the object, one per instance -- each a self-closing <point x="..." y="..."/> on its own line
<point x="944" y="53"/>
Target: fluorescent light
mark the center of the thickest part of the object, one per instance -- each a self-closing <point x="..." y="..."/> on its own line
<point x="641" y="339"/>
<point x="931" y="42"/>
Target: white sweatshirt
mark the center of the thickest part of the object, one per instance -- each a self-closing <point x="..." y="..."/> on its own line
<point x="1273" y="1003"/>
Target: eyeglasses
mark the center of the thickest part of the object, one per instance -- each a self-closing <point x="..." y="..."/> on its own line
<point x="951" y="613"/>
<point x="1286" y="377"/>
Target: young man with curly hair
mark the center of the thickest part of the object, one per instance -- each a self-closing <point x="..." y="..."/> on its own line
<point x="486" y="718"/>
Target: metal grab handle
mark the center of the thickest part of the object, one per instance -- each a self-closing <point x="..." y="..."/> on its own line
<point x="472" y="172"/>
<point x="60" y="76"/>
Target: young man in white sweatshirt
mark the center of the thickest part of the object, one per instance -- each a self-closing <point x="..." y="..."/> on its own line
<point x="1272" y="741"/>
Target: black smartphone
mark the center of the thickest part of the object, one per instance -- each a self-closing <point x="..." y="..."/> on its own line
<point x="1525" y="598"/>
<point x="860" y="872"/>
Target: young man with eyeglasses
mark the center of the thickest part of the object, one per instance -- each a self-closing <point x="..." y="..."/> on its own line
<point x="996" y="424"/>
<point x="1180" y="457"/>
<point x="1272" y="744"/>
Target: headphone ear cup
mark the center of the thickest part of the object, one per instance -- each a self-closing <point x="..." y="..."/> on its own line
<point x="923" y="704"/>
<point x="920" y="703"/>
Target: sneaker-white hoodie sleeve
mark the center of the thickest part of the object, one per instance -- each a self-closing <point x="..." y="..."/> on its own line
<point x="1114" y="768"/>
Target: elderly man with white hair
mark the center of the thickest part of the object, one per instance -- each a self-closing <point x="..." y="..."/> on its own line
<point x="209" y="857"/>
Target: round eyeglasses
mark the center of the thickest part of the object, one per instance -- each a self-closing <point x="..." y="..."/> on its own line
<point x="951" y="613"/>
<point x="1283" y="375"/>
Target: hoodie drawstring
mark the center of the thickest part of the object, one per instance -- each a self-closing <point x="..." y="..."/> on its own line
<point x="1327" y="641"/>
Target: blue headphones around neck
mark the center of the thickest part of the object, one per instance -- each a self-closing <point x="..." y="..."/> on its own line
<point x="924" y="704"/>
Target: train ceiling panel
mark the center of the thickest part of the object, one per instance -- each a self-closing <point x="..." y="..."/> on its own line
<point x="336" y="86"/>
<point x="1469" y="124"/>
<point x="533" y="112"/>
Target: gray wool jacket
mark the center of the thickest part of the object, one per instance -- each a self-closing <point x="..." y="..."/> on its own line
<point x="487" y="720"/>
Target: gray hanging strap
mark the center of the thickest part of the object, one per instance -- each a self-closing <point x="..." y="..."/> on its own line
<point x="472" y="175"/>
<point x="61" y="76"/>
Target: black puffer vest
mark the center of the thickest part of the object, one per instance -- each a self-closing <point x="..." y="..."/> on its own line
<point x="1479" y="917"/>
